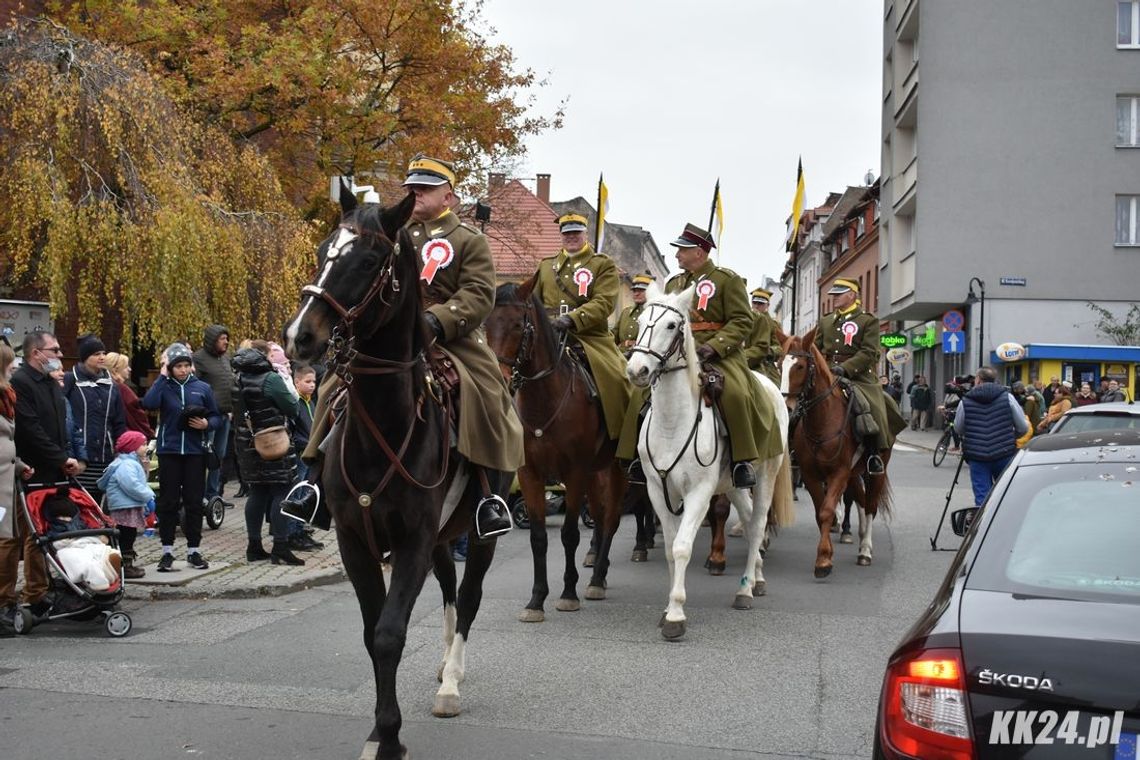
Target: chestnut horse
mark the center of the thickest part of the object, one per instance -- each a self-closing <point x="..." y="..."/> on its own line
<point x="392" y="481"/>
<point x="831" y="458"/>
<point x="564" y="437"/>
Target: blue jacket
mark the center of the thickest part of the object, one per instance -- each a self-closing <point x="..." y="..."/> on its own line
<point x="990" y="422"/>
<point x="124" y="482"/>
<point x="98" y="409"/>
<point x="170" y="397"/>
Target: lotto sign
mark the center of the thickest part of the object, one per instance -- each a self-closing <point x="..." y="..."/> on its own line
<point x="1010" y="352"/>
<point x="898" y="356"/>
<point x="437" y="255"/>
<point x="706" y="289"/>
<point x="583" y="277"/>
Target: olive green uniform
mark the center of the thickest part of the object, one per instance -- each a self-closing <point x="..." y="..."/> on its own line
<point x="625" y="331"/>
<point x="461" y="296"/>
<point x="759" y="351"/>
<point x="856" y="349"/>
<point x="724" y="323"/>
<point x="590" y="313"/>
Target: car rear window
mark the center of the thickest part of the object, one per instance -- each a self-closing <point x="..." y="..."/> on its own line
<point x="1080" y="423"/>
<point x="1065" y="530"/>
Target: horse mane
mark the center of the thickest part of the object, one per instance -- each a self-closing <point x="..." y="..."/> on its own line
<point x="507" y="294"/>
<point x="821" y="367"/>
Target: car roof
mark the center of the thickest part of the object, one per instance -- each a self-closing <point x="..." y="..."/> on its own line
<point x="1090" y="446"/>
<point x="1112" y="407"/>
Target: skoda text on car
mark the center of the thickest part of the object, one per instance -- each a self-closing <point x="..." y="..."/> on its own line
<point x="1031" y="647"/>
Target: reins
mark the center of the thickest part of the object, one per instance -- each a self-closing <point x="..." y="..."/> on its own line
<point x="805" y="403"/>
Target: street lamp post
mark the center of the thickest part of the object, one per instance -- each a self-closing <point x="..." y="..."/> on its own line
<point x="971" y="298"/>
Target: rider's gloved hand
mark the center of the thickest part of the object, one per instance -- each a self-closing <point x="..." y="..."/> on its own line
<point x="706" y="353"/>
<point x="433" y="324"/>
<point x="564" y="323"/>
<point x="838" y="371"/>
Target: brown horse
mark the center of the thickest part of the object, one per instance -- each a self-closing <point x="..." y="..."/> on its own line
<point x="564" y="439"/>
<point x="830" y="456"/>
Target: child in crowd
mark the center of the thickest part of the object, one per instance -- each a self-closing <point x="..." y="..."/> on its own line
<point x="129" y="498"/>
<point x="305" y="381"/>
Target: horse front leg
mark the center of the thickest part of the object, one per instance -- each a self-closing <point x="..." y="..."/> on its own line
<point x="479" y="557"/>
<point x="605" y="490"/>
<point x="645" y="520"/>
<point x="696" y="505"/>
<point x="824" y="499"/>
<point x="534" y="494"/>
<point x="575" y="493"/>
<point x="719" y="510"/>
<point x="759" y="502"/>
<point x="865" y="547"/>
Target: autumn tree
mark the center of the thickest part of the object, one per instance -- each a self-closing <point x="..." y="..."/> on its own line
<point x="328" y="87"/>
<point x="114" y="198"/>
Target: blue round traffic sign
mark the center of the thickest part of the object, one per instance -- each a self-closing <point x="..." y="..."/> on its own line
<point x="953" y="320"/>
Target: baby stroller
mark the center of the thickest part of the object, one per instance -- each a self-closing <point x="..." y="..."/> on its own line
<point x="84" y="563"/>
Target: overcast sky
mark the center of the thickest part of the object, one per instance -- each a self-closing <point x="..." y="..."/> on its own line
<point x="664" y="96"/>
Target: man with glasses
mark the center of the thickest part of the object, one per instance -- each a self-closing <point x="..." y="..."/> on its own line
<point x="41" y="439"/>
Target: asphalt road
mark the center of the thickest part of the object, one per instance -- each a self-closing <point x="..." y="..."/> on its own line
<point x="287" y="677"/>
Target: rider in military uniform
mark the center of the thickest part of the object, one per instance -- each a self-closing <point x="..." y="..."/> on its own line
<point x="849" y="339"/>
<point x="720" y="321"/>
<point x="759" y="351"/>
<point x="579" y="288"/>
<point x="625" y="330"/>
<point x="458" y="282"/>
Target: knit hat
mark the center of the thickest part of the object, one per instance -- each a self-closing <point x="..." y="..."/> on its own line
<point x="90" y="344"/>
<point x="177" y="352"/>
<point x="130" y="442"/>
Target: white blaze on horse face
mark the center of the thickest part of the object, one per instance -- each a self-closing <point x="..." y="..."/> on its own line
<point x="785" y="370"/>
<point x="343" y="238"/>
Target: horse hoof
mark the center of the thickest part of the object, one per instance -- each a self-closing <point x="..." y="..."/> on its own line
<point x="567" y="605"/>
<point x="446" y="706"/>
<point x="742" y="602"/>
<point x="639" y="555"/>
<point x="823" y="572"/>
<point x="532" y="616"/>
<point x="862" y="560"/>
<point x="595" y="593"/>
<point x="591" y="557"/>
<point x="672" y="630"/>
<point x="759" y="588"/>
<point x="715" y="568"/>
<point x="845" y="538"/>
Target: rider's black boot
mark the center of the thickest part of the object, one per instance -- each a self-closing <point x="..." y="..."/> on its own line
<point x="492" y="517"/>
<point x="875" y="464"/>
<point x="743" y="475"/>
<point x="634" y="474"/>
<point x="304" y="503"/>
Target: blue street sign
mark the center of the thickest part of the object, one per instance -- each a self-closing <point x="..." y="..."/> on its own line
<point x="953" y="342"/>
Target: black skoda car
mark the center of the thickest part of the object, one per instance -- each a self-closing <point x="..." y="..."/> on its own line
<point x="1031" y="647"/>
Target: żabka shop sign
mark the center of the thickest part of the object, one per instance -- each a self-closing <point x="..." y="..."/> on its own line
<point x="892" y="340"/>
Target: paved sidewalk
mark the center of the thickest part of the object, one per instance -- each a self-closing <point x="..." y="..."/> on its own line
<point x="229" y="574"/>
<point x="923" y="440"/>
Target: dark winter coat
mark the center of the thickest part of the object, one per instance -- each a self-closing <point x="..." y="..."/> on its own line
<point x="41" y="424"/>
<point x="170" y="397"/>
<point x="98" y="410"/>
<point x="991" y="422"/>
<point x="214" y="368"/>
<point x="263" y="401"/>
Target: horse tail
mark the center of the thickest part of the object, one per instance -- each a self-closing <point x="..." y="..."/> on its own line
<point x="783" y="513"/>
<point x="879" y="496"/>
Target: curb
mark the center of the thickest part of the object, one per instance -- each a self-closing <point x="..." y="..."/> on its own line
<point x="155" y="593"/>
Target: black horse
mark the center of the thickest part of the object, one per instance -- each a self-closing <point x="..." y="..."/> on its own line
<point x="391" y="481"/>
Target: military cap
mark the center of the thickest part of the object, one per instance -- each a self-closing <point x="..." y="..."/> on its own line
<point x="841" y="285"/>
<point x="761" y="296"/>
<point x="424" y="170"/>
<point x="571" y="223"/>
<point x="641" y="281"/>
<point x="694" y="237"/>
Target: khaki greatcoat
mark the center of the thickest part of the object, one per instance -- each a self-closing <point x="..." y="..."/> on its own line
<point x="762" y="355"/>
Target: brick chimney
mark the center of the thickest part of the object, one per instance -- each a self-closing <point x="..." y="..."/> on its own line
<point x="542" y="188"/>
<point x="495" y="180"/>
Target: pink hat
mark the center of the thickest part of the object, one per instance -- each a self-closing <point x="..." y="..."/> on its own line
<point x="130" y="442"/>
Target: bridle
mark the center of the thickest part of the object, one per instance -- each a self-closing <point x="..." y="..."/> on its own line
<point x="805" y="402"/>
<point x="386" y="276"/>
<point x="676" y="346"/>
<point x="525" y="353"/>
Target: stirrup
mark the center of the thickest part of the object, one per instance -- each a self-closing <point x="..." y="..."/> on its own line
<point x="635" y="474"/>
<point x="875" y="465"/>
<point x="743" y="475"/>
<point x="492" y="518"/>
<point x="304" y="507"/>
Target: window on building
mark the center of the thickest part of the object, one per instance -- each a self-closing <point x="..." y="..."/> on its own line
<point x="860" y="227"/>
<point x="1128" y="24"/>
<point x="1127" y="227"/>
<point x="1127" y="121"/>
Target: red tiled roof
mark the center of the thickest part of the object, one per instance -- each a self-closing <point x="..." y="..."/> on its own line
<point x="522" y="230"/>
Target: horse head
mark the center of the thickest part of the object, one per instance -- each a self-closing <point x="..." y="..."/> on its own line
<point x="664" y="340"/>
<point x="367" y="270"/>
<point x="519" y="332"/>
<point x="803" y="367"/>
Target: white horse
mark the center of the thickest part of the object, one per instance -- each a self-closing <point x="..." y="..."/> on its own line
<point x="683" y="447"/>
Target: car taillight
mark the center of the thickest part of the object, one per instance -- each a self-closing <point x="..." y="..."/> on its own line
<point x="925" y="712"/>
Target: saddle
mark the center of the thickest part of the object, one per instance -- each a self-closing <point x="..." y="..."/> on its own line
<point x="577" y="355"/>
<point x="712" y="385"/>
<point x="862" y="422"/>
